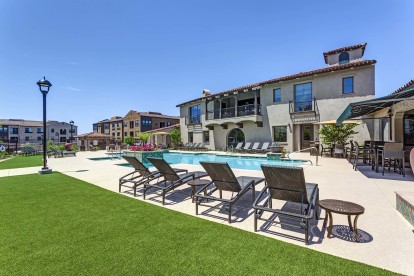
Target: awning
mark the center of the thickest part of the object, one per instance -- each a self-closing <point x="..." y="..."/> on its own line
<point x="333" y="122"/>
<point x="359" y="109"/>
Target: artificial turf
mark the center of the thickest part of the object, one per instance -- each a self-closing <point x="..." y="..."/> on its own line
<point x="22" y="162"/>
<point x="54" y="224"/>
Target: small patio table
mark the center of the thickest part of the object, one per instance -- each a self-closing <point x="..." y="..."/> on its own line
<point x="196" y="183"/>
<point x="344" y="208"/>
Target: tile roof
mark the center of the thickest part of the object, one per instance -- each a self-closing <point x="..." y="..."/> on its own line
<point x="93" y="135"/>
<point x="30" y="123"/>
<point x="343" y="49"/>
<point x="163" y="128"/>
<point x="405" y="86"/>
<point x="292" y="77"/>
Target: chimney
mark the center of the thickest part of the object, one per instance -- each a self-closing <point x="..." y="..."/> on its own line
<point x="206" y="93"/>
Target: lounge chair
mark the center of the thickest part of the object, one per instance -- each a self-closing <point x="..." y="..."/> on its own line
<point x="140" y="174"/>
<point x="246" y="147"/>
<point x="393" y="153"/>
<point x="223" y="179"/>
<point x="55" y="153"/>
<point x="264" y="148"/>
<point x="185" y="146"/>
<point x="171" y="178"/>
<point x="287" y="184"/>
<point x="28" y="151"/>
<point x="254" y="148"/>
<point x="364" y="153"/>
<point x="69" y="152"/>
<point x="238" y="146"/>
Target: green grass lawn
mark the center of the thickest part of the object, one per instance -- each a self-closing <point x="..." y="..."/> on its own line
<point x="54" y="224"/>
<point x="22" y="162"/>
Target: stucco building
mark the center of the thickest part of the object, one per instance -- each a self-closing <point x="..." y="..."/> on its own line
<point x="282" y="109"/>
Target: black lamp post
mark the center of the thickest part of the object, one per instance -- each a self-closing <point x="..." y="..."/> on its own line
<point x="44" y="86"/>
<point x="71" y="131"/>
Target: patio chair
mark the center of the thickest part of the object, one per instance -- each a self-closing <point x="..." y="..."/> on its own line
<point x="349" y="150"/>
<point x="246" y="147"/>
<point x="287" y="184"/>
<point x="264" y="148"/>
<point x="184" y="146"/>
<point x="393" y="154"/>
<point x="223" y="179"/>
<point x="140" y="174"/>
<point x="326" y="150"/>
<point x="338" y="150"/>
<point x="171" y="178"/>
<point x="254" y="148"/>
<point x="359" y="153"/>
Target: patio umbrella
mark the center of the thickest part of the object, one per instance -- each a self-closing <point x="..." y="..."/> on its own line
<point x="161" y="133"/>
<point x="333" y="122"/>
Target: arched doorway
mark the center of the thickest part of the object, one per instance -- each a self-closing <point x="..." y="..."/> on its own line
<point x="235" y="136"/>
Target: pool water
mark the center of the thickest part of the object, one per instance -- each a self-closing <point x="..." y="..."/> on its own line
<point x="235" y="162"/>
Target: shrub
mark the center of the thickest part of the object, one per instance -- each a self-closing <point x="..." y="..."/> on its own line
<point x="129" y="140"/>
<point x="176" y="137"/>
<point x="333" y="134"/>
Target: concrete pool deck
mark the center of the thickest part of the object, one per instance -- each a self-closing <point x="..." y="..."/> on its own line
<point x="387" y="238"/>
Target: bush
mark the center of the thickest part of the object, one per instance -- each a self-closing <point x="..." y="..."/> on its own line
<point x="129" y="140"/>
<point x="176" y="137"/>
<point x="333" y="134"/>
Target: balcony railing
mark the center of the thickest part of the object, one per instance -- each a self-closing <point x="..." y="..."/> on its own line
<point x="230" y="112"/>
<point x="303" y="106"/>
<point x="193" y="120"/>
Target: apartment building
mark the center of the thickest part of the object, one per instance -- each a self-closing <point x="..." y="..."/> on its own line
<point x="283" y="109"/>
<point x="28" y="131"/>
<point x="132" y="123"/>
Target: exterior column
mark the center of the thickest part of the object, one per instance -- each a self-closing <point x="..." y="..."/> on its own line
<point x="255" y="103"/>
<point x="206" y="111"/>
<point x="220" y="100"/>
<point x="235" y="106"/>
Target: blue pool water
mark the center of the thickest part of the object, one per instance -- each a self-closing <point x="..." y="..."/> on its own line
<point x="235" y="162"/>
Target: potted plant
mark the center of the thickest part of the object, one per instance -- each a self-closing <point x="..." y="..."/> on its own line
<point x="276" y="147"/>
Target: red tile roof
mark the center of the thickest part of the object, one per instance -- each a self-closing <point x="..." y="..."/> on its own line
<point x="294" y="76"/>
<point x="93" y="135"/>
<point x="405" y="86"/>
<point x="343" y="49"/>
<point x="163" y="128"/>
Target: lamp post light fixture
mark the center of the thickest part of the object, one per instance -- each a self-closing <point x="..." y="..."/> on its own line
<point x="71" y="130"/>
<point x="44" y="86"/>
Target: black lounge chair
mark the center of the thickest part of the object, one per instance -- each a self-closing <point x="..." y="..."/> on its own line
<point x="55" y="152"/>
<point x="27" y="150"/>
<point x="287" y="184"/>
<point x="171" y="178"/>
<point x="139" y="176"/>
<point x="223" y="179"/>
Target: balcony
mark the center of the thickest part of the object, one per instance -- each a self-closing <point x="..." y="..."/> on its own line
<point x="193" y="120"/>
<point x="243" y="113"/>
<point x="304" y="111"/>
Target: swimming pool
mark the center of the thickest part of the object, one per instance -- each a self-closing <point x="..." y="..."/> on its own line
<point x="235" y="162"/>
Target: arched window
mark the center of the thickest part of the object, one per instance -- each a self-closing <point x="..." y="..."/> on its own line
<point x="236" y="136"/>
<point x="343" y="57"/>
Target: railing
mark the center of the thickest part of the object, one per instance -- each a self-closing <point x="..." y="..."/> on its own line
<point x="230" y="112"/>
<point x="311" y="148"/>
<point x="193" y="120"/>
<point x="303" y="106"/>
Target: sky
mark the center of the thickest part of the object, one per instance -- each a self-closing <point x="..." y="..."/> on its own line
<point x="105" y="58"/>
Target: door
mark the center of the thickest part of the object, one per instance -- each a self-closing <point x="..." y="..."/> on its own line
<point x="306" y="136"/>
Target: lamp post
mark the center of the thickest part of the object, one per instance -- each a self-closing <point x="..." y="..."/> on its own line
<point x="44" y="86"/>
<point x="71" y="131"/>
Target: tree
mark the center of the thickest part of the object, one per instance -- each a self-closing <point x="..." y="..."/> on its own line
<point x="333" y="134"/>
<point x="143" y="136"/>
<point x="129" y="140"/>
<point x="176" y="137"/>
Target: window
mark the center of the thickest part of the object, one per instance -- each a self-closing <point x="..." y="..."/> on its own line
<point x="125" y="124"/>
<point x="27" y="138"/>
<point x="113" y="134"/>
<point x="343" y="57"/>
<point x="62" y="139"/>
<point x="190" y="137"/>
<point x="156" y="124"/>
<point x="113" y="125"/>
<point x="195" y="113"/>
<point x="409" y="130"/>
<point x="39" y="138"/>
<point x="28" y="130"/>
<point x="39" y="130"/>
<point x="162" y="124"/>
<point x="14" y="130"/>
<point x="106" y="128"/>
<point x="117" y="125"/>
<point x="118" y="134"/>
<point x="168" y="124"/>
<point x="206" y="136"/>
<point x="137" y="123"/>
<point x="146" y="122"/>
<point x="348" y="85"/>
<point x="279" y="133"/>
<point x="53" y="130"/>
<point x="277" y="95"/>
<point x="303" y="97"/>
<point x="125" y="134"/>
<point x="63" y="132"/>
<point x="131" y="124"/>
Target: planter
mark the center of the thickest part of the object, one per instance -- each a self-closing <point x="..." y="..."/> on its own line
<point x="276" y="149"/>
<point x="143" y="155"/>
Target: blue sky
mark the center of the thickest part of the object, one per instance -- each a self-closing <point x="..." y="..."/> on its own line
<point x="105" y="58"/>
